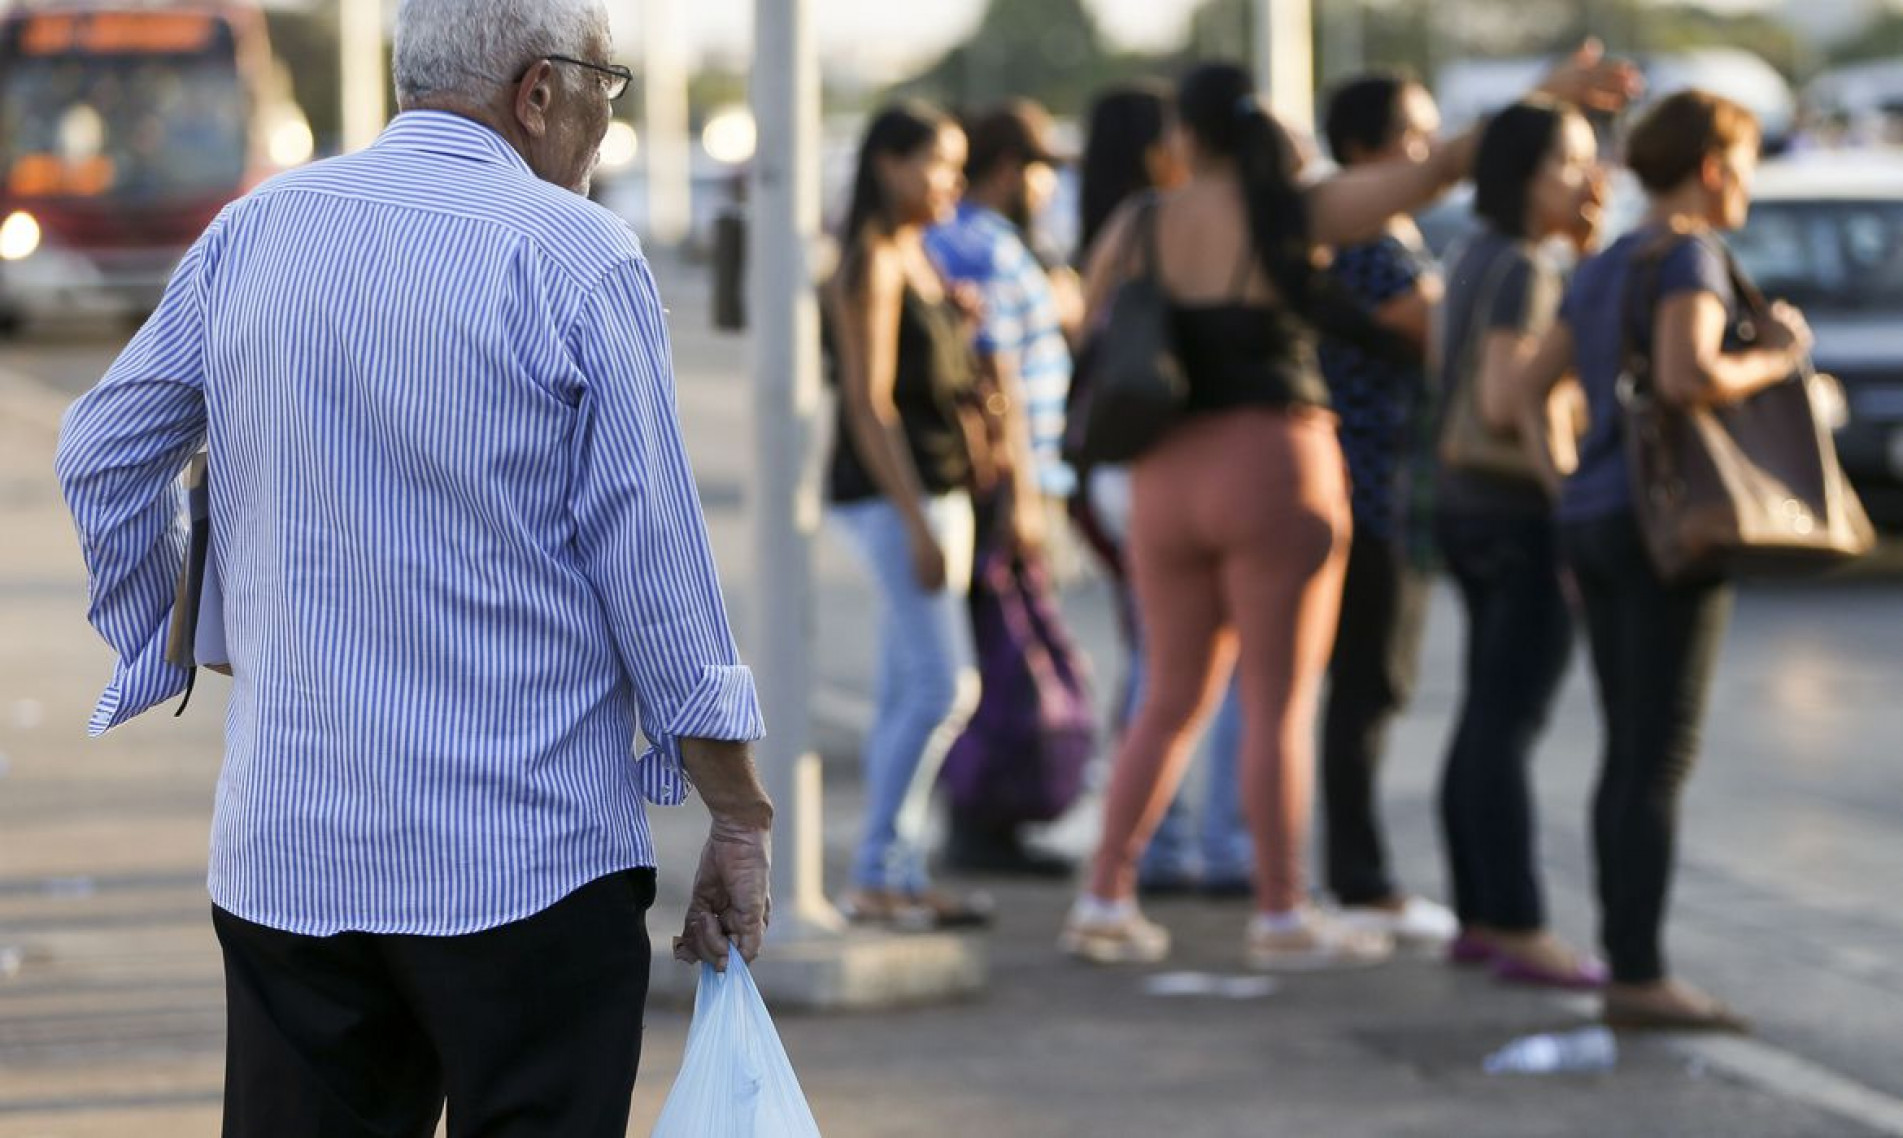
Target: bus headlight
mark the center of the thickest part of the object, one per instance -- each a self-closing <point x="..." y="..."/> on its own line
<point x="19" y="236"/>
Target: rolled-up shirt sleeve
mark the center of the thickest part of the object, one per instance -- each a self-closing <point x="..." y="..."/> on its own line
<point x="642" y="535"/>
<point x="121" y="448"/>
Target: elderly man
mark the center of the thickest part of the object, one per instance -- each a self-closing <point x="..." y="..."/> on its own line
<point x="462" y="556"/>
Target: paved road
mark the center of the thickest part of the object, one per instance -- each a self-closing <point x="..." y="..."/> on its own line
<point x="109" y="986"/>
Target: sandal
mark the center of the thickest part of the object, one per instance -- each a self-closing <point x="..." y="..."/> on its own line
<point x="1693" y="1011"/>
<point x="1112" y="934"/>
<point x="869" y="907"/>
<point x="1321" y="942"/>
<point x="932" y="909"/>
<point x="1541" y="960"/>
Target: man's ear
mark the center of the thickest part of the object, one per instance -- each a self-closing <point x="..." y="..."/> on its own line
<point x="533" y="96"/>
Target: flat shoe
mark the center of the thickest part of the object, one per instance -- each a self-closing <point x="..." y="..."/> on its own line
<point x="1418" y="923"/>
<point x="1587" y="975"/>
<point x="1639" y="1017"/>
<point x="1468" y="949"/>
<point x="931" y="909"/>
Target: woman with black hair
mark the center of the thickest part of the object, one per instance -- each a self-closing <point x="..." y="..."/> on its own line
<point x="1127" y="152"/>
<point x="1130" y="151"/>
<point x="1536" y="179"/>
<point x="901" y="470"/>
<point x="1667" y="285"/>
<point x="1240" y="513"/>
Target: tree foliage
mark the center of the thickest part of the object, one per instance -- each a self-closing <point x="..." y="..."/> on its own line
<point x="1048" y="50"/>
<point x="1417" y="36"/>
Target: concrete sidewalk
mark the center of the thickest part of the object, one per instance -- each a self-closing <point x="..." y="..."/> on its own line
<point x="111" y="997"/>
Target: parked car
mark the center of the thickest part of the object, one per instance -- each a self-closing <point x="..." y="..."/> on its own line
<point x="1826" y="233"/>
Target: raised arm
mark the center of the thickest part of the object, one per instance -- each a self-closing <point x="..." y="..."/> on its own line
<point x="1352" y="206"/>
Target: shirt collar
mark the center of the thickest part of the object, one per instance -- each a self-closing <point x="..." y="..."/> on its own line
<point x="971" y="212"/>
<point x="440" y="132"/>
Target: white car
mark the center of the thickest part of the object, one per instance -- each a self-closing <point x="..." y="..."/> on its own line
<point x="1826" y="233"/>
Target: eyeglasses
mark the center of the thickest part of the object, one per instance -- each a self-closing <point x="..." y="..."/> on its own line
<point x="614" y="78"/>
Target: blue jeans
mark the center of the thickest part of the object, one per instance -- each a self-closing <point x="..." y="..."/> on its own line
<point x="1225" y="851"/>
<point x="927" y="683"/>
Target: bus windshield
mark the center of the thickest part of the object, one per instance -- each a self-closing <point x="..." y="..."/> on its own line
<point x="122" y="126"/>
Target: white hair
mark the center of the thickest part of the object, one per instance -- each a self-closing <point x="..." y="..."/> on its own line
<point x="464" y="47"/>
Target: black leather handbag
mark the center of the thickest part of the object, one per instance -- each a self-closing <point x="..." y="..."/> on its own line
<point x="1135" y="385"/>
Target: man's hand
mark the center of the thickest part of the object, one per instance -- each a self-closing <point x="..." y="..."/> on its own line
<point x="730" y="902"/>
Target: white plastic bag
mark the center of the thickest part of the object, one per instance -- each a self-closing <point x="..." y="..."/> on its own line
<point x="735" y="1080"/>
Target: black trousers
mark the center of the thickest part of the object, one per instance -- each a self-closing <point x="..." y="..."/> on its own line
<point x="1519" y="641"/>
<point x="529" y="1030"/>
<point x="1655" y="648"/>
<point x="1370" y="677"/>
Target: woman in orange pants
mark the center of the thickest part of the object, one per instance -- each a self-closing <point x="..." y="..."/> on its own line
<point x="1240" y="520"/>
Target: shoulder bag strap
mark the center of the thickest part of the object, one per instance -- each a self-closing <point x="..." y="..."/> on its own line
<point x="1477" y="320"/>
<point x="1466" y="362"/>
<point x="1636" y="361"/>
<point x="1146" y="234"/>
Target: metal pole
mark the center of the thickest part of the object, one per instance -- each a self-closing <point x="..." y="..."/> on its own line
<point x="1344" y="41"/>
<point x="1284" y="59"/>
<point x="362" y="84"/>
<point x="669" y="150"/>
<point x="784" y="500"/>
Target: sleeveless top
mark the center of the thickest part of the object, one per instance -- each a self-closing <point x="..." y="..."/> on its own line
<point x="1246" y="355"/>
<point x="935" y="372"/>
<point x="1237" y="355"/>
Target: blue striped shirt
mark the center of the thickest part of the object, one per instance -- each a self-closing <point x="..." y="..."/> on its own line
<point x="983" y="248"/>
<point x="462" y="551"/>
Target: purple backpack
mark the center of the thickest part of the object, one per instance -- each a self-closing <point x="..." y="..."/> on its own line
<point x="1023" y="755"/>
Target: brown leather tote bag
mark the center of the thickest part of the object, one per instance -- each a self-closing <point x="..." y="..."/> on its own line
<point x="1754" y="488"/>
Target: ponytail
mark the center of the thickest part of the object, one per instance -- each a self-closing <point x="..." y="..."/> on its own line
<point x="1217" y="104"/>
<point x="1277" y="209"/>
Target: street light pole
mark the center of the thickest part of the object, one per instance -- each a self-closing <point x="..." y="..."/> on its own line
<point x="784" y="501"/>
<point x="1284" y="59"/>
<point x="665" y="125"/>
<point x="361" y="81"/>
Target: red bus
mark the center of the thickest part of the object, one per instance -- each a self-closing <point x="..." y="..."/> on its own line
<point x="123" y="130"/>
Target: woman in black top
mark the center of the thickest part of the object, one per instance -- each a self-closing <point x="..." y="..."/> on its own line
<point x="1130" y="152"/>
<point x="901" y="466"/>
